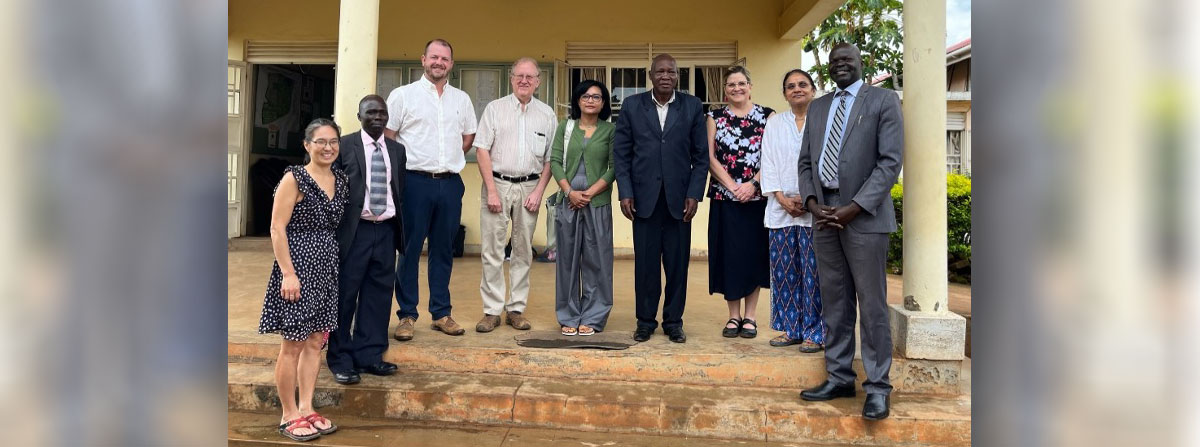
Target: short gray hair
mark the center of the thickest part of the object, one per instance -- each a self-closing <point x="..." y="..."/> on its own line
<point x="524" y="60"/>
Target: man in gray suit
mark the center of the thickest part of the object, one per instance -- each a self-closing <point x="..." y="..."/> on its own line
<point x="849" y="160"/>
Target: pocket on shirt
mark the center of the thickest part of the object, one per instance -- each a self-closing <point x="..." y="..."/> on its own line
<point x="539" y="140"/>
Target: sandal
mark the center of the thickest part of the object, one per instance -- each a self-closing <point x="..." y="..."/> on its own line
<point x="783" y="340"/>
<point x="732" y="332"/>
<point x="569" y="331"/>
<point x="314" y="418"/>
<point x="586" y="330"/>
<point x="749" y="333"/>
<point x="810" y="347"/>
<point x="287" y="429"/>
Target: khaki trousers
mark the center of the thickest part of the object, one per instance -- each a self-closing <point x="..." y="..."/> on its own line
<point x="494" y="235"/>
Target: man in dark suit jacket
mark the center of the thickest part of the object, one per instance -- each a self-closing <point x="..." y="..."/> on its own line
<point x="849" y="160"/>
<point x="370" y="234"/>
<point x="660" y="154"/>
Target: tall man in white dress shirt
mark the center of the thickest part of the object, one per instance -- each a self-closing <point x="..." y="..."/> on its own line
<point x="436" y="124"/>
<point x="513" y="151"/>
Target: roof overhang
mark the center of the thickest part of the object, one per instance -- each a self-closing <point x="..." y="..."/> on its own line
<point x="958" y="52"/>
<point x="801" y="16"/>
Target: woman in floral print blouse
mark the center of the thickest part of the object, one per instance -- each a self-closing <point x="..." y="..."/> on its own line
<point x="737" y="241"/>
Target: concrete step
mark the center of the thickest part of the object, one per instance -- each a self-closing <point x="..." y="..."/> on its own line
<point x="736" y="362"/>
<point x="248" y="429"/>
<point x="712" y="411"/>
<point x="250" y="243"/>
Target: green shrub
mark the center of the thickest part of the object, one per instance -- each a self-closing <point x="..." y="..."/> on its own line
<point x="958" y="228"/>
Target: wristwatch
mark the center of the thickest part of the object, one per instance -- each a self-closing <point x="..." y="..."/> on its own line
<point x="756" y="184"/>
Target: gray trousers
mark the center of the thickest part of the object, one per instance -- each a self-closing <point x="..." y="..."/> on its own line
<point x="584" y="269"/>
<point x="851" y="266"/>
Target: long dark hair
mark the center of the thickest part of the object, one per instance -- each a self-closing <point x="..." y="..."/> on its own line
<point x="311" y="129"/>
<point x="580" y="90"/>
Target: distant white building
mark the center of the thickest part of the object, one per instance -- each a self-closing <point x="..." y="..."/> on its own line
<point x="958" y="106"/>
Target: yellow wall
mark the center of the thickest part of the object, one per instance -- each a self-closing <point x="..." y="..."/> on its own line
<point x="497" y="31"/>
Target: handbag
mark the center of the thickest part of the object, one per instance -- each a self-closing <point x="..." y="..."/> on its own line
<point x="560" y="196"/>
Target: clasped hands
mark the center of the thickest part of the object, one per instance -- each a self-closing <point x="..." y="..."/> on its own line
<point x="579" y="199"/>
<point x="834" y="216"/>
<point x="743" y="192"/>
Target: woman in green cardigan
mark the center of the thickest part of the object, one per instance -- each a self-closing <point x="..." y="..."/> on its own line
<point x="584" y="270"/>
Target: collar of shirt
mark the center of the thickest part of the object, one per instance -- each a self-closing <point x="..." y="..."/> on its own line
<point x="426" y="83"/>
<point x="367" y="140"/>
<point x="516" y="102"/>
<point x="430" y="87"/>
<point x="669" y="101"/>
<point x="853" y="88"/>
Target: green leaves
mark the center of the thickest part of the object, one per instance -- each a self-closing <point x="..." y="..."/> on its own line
<point x="958" y="228"/>
<point x="873" y="25"/>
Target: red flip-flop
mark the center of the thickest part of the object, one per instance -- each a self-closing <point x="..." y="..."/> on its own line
<point x="288" y="428"/>
<point x="314" y="418"/>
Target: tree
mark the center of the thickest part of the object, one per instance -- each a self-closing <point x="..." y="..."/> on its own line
<point x="874" y="26"/>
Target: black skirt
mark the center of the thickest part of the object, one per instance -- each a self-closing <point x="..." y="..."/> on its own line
<point x="739" y="257"/>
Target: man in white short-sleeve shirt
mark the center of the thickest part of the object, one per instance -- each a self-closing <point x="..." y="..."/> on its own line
<point x="513" y="150"/>
<point x="436" y="124"/>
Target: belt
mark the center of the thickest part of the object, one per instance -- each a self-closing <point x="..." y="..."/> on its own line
<point x="830" y="191"/>
<point x="434" y="175"/>
<point x="388" y="220"/>
<point x="516" y="179"/>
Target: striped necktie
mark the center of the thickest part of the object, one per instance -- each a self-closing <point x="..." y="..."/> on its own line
<point x="833" y="145"/>
<point x="378" y="184"/>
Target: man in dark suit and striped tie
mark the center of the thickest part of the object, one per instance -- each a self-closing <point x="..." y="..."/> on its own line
<point x="369" y="236"/>
<point x="849" y="160"/>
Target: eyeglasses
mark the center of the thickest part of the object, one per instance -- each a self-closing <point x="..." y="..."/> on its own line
<point x="591" y="98"/>
<point x="525" y="77"/>
<point x="739" y="84"/>
<point x="792" y="85"/>
<point x="328" y="143"/>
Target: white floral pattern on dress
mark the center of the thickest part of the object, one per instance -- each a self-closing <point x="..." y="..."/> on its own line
<point x="739" y="147"/>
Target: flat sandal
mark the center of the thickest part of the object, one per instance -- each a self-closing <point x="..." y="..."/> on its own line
<point x="732" y="332"/>
<point x="749" y="333"/>
<point x="783" y="340"/>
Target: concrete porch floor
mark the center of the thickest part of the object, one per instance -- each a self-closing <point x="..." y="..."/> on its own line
<point x="704" y="316"/>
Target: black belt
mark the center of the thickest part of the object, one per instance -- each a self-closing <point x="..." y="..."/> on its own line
<point x="830" y="191"/>
<point x="388" y="220"/>
<point x="516" y="179"/>
<point x="434" y="175"/>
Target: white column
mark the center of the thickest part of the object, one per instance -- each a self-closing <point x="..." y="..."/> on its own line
<point x="923" y="327"/>
<point x="358" y="49"/>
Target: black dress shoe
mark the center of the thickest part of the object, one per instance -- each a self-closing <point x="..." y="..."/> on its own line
<point x="379" y="369"/>
<point x="346" y="378"/>
<point x="642" y="334"/>
<point x="827" y="391"/>
<point x="676" y="335"/>
<point x="876" y="407"/>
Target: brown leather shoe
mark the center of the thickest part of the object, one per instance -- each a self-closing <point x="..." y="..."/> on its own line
<point x="404" y="332"/>
<point x="488" y="323"/>
<point x="517" y="321"/>
<point x="448" y="326"/>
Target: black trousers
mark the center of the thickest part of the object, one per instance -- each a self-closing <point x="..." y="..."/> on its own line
<point x="365" y="282"/>
<point x="660" y="241"/>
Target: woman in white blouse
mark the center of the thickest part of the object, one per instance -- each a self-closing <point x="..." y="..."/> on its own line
<point x="795" y="290"/>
